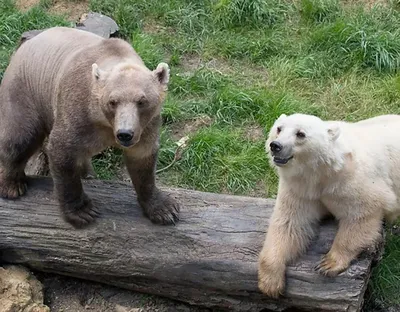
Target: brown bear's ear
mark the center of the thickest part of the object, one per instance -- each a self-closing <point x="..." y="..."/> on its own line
<point x="162" y="73"/>
<point x="97" y="72"/>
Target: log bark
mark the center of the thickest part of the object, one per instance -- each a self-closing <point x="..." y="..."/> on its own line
<point x="209" y="258"/>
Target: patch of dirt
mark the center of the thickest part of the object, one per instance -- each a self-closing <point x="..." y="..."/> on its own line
<point x="243" y="71"/>
<point x="151" y="27"/>
<point x="188" y="127"/>
<point x="20" y="291"/>
<point x="25" y="5"/>
<point x="65" y="294"/>
<point x="254" y="133"/>
<point x="72" y="9"/>
<point x="192" y="62"/>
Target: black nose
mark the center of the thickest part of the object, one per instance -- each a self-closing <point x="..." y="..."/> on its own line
<point x="275" y="146"/>
<point x="124" y="135"/>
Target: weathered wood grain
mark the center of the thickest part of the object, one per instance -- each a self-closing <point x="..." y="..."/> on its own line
<point x="209" y="258"/>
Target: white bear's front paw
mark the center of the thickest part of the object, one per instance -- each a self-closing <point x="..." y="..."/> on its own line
<point x="271" y="279"/>
<point x="332" y="264"/>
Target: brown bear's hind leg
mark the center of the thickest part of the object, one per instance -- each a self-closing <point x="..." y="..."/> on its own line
<point x="16" y="147"/>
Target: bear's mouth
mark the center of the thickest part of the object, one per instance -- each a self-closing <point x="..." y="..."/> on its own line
<point x="126" y="144"/>
<point x="282" y="161"/>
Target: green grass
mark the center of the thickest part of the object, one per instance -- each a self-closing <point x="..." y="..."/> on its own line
<point x="384" y="287"/>
<point x="13" y="23"/>
<point x="239" y="64"/>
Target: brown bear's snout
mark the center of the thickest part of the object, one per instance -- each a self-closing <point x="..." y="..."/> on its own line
<point x="275" y="146"/>
<point x="125" y="136"/>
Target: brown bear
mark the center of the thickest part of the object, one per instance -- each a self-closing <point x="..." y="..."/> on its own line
<point x="83" y="93"/>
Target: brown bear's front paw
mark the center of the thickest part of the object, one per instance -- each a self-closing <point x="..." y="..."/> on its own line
<point x="12" y="189"/>
<point x="332" y="265"/>
<point x="80" y="213"/>
<point x="161" y="209"/>
<point x="271" y="280"/>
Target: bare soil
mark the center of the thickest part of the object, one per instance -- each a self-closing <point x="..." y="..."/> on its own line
<point x="65" y="294"/>
<point x="72" y="9"/>
<point x="181" y="130"/>
<point x="24" y="5"/>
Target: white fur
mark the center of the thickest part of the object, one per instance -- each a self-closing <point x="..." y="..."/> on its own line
<point x="162" y="72"/>
<point x="350" y="170"/>
<point x="337" y="156"/>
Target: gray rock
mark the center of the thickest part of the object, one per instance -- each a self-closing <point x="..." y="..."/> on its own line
<point x="96" y="23"/>
<point x="99" y="24"/>
<point x="20" y="291"/>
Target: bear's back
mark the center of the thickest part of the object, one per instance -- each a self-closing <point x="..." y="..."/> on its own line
<point x="60" y="54"/>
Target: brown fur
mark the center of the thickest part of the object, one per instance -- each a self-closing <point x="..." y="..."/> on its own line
<point x="79" y="91"/>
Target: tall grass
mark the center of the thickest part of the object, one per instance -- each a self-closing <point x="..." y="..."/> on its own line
<point x="13" y="23"/>
<point x="250" y="13"/>
<point x="317" y="11"/>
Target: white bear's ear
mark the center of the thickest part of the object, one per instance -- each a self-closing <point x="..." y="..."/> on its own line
<point x="162" y="73"/>
<point x="282" y="116"/>
<point x="334" y="132"/>
<point x="97" y="72"/>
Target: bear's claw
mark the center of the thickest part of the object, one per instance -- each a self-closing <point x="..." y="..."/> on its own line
<point x="80" y="214"/>
<point x="330" y="266"/>
<point x="13" y="189"/>
<point x="161" y="209"/>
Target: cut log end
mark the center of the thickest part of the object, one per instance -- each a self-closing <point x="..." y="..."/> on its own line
<point x="209" y="258"/>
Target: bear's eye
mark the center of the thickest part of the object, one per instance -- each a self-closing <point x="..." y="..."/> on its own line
<point x="300" y="134"/>
<point x="113" y="103"/>
<point x="279" y="129"/>
<point x="142" y="102"/>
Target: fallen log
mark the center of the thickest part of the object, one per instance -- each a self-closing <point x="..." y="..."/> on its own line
<point x="209" y="258"/>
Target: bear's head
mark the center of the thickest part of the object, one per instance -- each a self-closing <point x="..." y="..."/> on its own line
<point x="130" y="96"/>
<point x="301" y="140"/>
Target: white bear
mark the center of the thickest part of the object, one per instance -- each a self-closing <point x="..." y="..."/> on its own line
<point x="348" y="170"/>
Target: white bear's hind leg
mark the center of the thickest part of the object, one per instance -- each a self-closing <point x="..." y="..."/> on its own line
<point x="393" y="216"/>
<point x="353" y="236"/>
